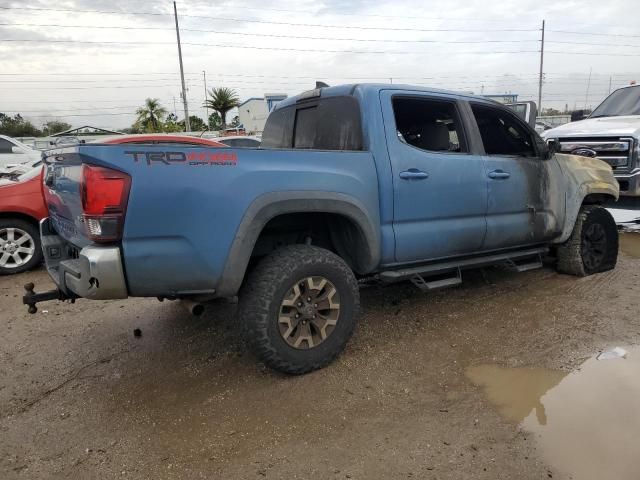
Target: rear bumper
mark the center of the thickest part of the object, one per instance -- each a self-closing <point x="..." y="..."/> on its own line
<point x="629" y="184"/>
<point x="94" y="272"/>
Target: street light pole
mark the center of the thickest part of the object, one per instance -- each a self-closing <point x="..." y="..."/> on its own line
<point x="187" y="125"/>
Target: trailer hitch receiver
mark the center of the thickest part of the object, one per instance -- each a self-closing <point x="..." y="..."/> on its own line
<point x="30" y="297"/>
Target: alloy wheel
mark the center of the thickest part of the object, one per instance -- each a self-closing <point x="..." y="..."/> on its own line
<point x="309" y="312"/>
<point x="17" y="247"/>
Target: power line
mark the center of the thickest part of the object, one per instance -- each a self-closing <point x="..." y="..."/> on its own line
<point x="244" y="20"/>
<point x="253" y="47"/>
<point x="269" y="35"/>
<point x="595" y="33"/>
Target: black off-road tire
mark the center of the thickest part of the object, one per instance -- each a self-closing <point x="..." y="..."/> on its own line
<point x="32" y="230"/>
<point x="265" y="289"/>
<point x="572" y="254"/>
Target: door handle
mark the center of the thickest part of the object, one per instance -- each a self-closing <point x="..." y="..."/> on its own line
<point x="499" y="174"/>
<point x="413" y="174"/>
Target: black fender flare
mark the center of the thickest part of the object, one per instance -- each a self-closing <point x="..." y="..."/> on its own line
<point x="270" y="205"/>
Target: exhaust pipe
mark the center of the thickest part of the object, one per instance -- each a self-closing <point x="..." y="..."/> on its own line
<point x="194" y="308"/>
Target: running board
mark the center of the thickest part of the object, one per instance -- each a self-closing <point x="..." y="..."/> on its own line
<point x="428" y="285"/>
<point x="457" y="265"/>
<point x="525" y="267"/>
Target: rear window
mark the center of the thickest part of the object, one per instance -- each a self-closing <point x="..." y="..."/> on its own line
<point x="327" y="124"/>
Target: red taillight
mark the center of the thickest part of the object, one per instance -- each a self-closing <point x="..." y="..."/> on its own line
<point x="104" y="195"/>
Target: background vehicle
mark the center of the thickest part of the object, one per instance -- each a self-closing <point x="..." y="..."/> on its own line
<point x="377" y="182"/>
<point x="21" y="208"/>
<point x="611" y="133"/>
<point x="240" y="141"/>
<point x="12" y="152"/>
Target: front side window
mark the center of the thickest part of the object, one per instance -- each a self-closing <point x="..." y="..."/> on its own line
<point x="429" y="124"/>
<point x="502" y="133"/>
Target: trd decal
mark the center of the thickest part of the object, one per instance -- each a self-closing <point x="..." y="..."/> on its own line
<point x="193" y="158"/>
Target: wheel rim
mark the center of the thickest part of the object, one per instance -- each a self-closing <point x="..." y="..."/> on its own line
<point x="594" y="245"/>
<point x="17" y="247"/>
<point x="309" y="312"/>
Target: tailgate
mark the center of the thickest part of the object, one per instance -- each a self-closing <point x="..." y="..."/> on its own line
<point x="87" y="201"/>
<point x="62" y="177"/>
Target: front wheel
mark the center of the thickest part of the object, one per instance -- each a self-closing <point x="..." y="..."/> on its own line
<point x="299" y="308"/>
<point x="593" y="245"/>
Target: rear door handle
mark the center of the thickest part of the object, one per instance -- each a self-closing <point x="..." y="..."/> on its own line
<point x="413" y="174"/>
<point x="499" y="174"/>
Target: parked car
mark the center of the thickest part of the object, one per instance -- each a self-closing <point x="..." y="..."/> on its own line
<point x="22" y="206"/>
<point x="13" y="152"/>
<point x="611" y="133"/>
<point x="377" y="183"/>
<point x="240" y="141"/>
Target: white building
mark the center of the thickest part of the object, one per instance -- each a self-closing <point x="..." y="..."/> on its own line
<point x="253" y="112"/>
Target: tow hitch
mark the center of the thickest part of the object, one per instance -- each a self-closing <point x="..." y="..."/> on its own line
<point x="30" y="298"/>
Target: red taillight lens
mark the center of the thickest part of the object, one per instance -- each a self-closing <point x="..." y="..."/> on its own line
<point x="104" y="195"/>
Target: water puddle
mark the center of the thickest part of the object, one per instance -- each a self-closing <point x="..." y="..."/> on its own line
<point x="630" y="244"/>
<point x="586" y="422"/>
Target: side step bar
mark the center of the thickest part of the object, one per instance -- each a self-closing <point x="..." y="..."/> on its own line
<point x="428" y="285"/>
<point x="530" y="264"/>
<point x="454" y="266"/>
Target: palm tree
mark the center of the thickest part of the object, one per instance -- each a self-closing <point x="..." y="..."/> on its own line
<point x="151" y="115"/>
<point x="222" y="100"/>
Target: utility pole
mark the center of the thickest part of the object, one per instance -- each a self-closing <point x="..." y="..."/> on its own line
<point x="609" y="83"/>
<point x="206" y="107"/>
<point x="187" y="125"/>
<point x="541" y="71"/>
<point x="586" y="96"/>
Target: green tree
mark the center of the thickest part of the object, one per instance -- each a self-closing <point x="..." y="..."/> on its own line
<point x="17" y="126"/>
<point x="55" y="126"/>
<point x="171" y="124"/>
<point x="196" y="123"/>
<point x="221" y="101"/>
<point x="151" y="116"/>
<point x="215" y="122"/>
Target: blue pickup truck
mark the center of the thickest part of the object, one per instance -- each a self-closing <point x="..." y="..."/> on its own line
<point x="352" y="183"/>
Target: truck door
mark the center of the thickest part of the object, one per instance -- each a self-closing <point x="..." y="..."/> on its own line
<point x="518" y="186"/>
<point x="440" y="192"/>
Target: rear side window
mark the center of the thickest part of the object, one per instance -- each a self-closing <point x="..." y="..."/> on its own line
<point x="502" y="133"/>
<point x="429" y="124"/>
<point x="327" y="124"/>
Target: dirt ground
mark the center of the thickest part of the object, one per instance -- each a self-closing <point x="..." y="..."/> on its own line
<point x="82" y="397"/>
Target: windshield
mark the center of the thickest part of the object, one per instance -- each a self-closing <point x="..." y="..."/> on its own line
<point x="625" y="101"/>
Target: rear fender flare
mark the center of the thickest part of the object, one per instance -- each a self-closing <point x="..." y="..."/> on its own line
<point x="270" y="205"/>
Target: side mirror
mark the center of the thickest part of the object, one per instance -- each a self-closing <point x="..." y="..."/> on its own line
<point x="15" y="149"/>
<point x="578" y="115"/>
<point x="548" y="149"/>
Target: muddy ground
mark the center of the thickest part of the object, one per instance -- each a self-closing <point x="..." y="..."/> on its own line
<point x="82" y="397"/>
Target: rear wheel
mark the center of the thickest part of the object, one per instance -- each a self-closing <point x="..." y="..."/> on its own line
<point x="593" y="245"/>
<point x="299" y="308"/>
<point x="20" y="248"/>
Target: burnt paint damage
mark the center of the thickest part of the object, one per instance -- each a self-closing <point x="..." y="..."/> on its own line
<point x="582" y="176"/>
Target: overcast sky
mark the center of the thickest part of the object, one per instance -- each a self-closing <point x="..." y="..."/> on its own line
<point x="458" y="44"/>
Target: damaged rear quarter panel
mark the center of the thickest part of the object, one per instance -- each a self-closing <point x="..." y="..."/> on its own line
<point x="583" y="176"/>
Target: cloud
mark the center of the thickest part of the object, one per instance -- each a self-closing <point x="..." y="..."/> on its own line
<point x="61" y="77"/>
